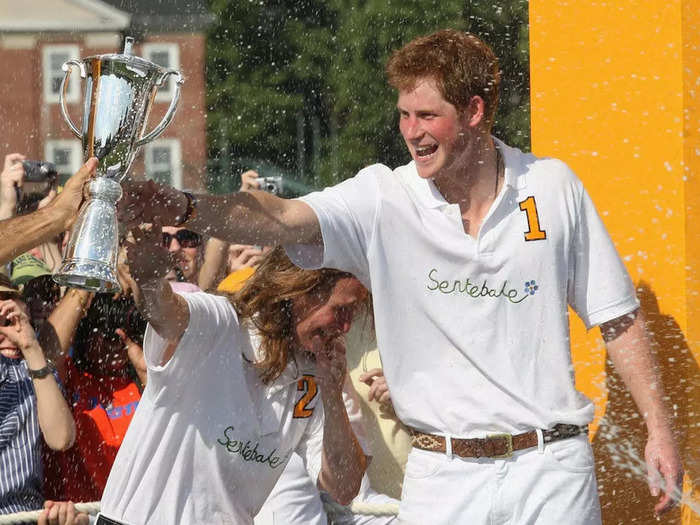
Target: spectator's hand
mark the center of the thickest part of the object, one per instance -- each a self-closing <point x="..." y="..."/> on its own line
<point x="62" y="513"/>
<point x="665" y="471"/>
<point x="243" y="256"/>
<point x="147" y="257"/>
<point x="378" y="389"/>
<point x="126" y="282"/>
<point x="19" y="331"/>
<point x="135" y="353"/>
<point x="248" y="181"/>
<point x="11" y="178"/>
<point x="51" y="195"/>
<point x="67" y="203"/>
<point x="149" y="202"/>
<point x="331" y="364"/>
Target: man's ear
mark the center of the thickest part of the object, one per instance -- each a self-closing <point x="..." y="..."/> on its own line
<point x="475" y="112"/>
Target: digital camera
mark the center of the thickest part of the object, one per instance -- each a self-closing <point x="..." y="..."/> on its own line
<point x="270" y="184"/>
<point x="39" y="171"/>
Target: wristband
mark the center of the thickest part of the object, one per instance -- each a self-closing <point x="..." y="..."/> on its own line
<point x="42" y="372"/>
<point x="191" y="210"/>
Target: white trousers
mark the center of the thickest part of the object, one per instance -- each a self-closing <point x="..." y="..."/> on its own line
<point x="548" y="485"/>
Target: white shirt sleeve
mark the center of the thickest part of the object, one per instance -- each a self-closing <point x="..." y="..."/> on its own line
<point x="600" y="289"/>
<point x="211" y="317"/>
<point x="346" y="213"/>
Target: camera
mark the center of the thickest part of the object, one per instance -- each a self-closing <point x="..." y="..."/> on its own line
<point x="39" y="171"/>
<point x="270" y="184"/>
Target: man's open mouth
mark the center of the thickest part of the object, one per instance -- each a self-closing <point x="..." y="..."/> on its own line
<point x="425" y="151"/>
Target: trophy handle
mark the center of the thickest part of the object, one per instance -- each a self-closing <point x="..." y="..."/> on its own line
<point x="171" y="109"/>
<point x="62" y="93"/>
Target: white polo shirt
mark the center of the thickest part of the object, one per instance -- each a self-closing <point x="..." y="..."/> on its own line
<point x="473" y="332"/>
<point x="209" y="440"/>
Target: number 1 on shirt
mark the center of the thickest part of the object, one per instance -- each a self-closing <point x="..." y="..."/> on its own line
<point x="534" y="233"/>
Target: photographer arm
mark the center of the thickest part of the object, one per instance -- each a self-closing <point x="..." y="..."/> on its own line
<point x="11" y="178"/>
<point x="215" y="264"/>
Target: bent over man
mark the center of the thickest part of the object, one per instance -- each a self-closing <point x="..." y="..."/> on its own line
<point x="235" y="386"/>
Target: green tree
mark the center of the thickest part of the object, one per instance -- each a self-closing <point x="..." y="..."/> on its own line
<point x="505" y="27"/>
<point x="298" y="88"/>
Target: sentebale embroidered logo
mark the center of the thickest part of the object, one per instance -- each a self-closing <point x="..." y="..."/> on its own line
<point x="476" y="290"/>
<point x="247" y="452"/>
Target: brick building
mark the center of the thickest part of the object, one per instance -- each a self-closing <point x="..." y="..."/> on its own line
<point x="38" y="36"/>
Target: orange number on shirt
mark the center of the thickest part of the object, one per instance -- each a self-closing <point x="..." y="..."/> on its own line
<point x="306" y="384"/>
<point x="534" y="233"/>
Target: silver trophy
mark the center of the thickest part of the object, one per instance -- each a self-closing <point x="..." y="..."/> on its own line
<point x="119" y="93"/>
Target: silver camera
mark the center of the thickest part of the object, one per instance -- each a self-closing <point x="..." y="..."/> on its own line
<point x="270" y="184"/>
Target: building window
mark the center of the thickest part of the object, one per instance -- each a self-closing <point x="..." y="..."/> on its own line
<point x="167" y="56"/>
<point x="66" y="155"/>
<point x="53" y="59"/>
<point x="163" y="162"/>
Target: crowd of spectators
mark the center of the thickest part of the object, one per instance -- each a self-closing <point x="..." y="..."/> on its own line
<point x="72" y="367"/>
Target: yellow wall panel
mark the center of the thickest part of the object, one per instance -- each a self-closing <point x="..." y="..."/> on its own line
<point x="615" y="91"/>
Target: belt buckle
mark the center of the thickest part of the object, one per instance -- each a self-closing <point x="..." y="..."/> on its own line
<point x="509" y="445"/>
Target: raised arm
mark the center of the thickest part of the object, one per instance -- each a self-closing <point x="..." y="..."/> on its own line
<point x="629" y="349"/>
<point x="250" y="217"/>
<point x="57" y="333"/>
<point x="214" y="266"/>
<point x="19" y="234"/>
<point x="165" y="310"/>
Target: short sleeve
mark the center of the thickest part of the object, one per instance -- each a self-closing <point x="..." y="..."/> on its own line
<point x="600" y="289"/>
<point x="211" y="317"/>
<point x="346" y="213"/>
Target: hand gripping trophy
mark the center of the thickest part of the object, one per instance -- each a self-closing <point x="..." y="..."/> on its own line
<point x="119" y="92"/>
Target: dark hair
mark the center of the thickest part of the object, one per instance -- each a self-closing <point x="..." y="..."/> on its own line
<point x="461" y="65"/>
<point x="105" y="315"/>
<point x="29" y="203"/>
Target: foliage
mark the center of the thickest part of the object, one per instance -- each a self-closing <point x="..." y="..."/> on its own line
<point x="298" y="88"/>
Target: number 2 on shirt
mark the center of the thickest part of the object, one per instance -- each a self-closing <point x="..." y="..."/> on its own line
<point x="306" y="384"/>
<point x="534" y="233"/>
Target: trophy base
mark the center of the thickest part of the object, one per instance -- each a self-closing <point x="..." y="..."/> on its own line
<point x="93" y="276"/>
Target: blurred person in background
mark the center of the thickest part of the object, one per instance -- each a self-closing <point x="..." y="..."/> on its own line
<point x="187" y="253"/>
<point x="242" y="259"/>
<point x="39" y="291"/>
<point x="21" y="233"/>
<point x="96" y="343"/>
<point x="31" y="405"/>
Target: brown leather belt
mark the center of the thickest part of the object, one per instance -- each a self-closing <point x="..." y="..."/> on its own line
<point x="495" y="445"/>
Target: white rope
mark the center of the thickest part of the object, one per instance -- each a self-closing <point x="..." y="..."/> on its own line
<point x="356" y="507"/>
<point x="360" y="507"/>
<point x="32" y="516"/>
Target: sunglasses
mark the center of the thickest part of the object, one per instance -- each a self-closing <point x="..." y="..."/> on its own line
<point x="185" y="238"/>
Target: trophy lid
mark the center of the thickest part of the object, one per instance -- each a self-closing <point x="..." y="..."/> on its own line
<point x="131" y="61"/>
